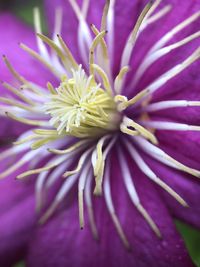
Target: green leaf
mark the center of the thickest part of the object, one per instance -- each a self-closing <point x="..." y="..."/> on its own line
<point x="192" y="240"/>
<point x="20" y="264"/>
<point x="25" y="11"/>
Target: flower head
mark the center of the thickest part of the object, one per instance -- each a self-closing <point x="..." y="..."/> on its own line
<point x="92" y="112"/>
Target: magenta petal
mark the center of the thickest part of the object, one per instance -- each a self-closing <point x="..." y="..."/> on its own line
<point x="126" y="13"/>
<point x="60" y="242"/>
<point x="70" y="23"/>
<point x="186" y="187"/>
<point x="17" y="217"/>
<point x="15" y="32"/>
<point x="16" y="227"/>
<point x="19" y="32"/>
<point x="183" y="146"/>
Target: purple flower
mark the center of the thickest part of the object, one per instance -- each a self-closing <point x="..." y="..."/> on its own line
<point x="119" y="120"/>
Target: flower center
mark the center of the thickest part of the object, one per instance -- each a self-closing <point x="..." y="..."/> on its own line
<point x="80" y="107"/>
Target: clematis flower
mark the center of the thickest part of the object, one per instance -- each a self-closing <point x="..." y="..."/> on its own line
<point x="118" y="122"/>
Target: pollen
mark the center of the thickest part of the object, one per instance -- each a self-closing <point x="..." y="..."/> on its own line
<point x="80" y="107"/>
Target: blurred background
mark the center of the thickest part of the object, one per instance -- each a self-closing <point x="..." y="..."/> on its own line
<point x="24" y="10"/>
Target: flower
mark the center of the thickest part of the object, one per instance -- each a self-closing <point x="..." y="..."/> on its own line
<point x="114" y="118"/>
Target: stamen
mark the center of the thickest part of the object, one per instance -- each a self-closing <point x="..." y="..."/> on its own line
<point x="124" y="129"/>
<point x="98" y="162"/>
<point x="39" y="190"/>
<point x="85" y="7"/>
<point x="110" y="28"/>
<point x="73" y="147"/>
<point x="59" y="197"/>
<point x="58" y="22"/>
<point x="57" y="172"/>
<point x="88" y="199"/>
<point x="148" y="61"/>
<point x="16" y="103"/>
<point x="174" y="31"/>
<point x="57" y="161"/>
<point x="102" y="54"/>
<point x="130" y="187"/>
<point x="80" y="163"/>
<point x="81" y="187"/>
<point x="126" y="55"/>
<point x="25" y="140"/>
<point x="104" y="77"/>
<point x="154" y="5"/>
<point x="41" y="59"/>
<point x="97" y="40"/>
<point x="171" y="104"/>
<point x="26" y="158"/>
<point x="13" y="71"/>
<point x="81" y="18"/>
<point x="38" y="29"/>
<point x="84" y="36"/>
<point x="57" y="49"/>
<point x="143" y="131"/>
<point x="27" y="121"/>
<point x="161" y="13"/>
<point x="103" y="43"/>
<point x="98" y="165"/>
<point x="111" y="209"/>
<point x="174" y="126"/>
<point x="162" y="156"/>
<point x="18" y="93"/>
<point x="68" y="53"/>
<point x="104" y="16"/>
<point x="150" y="174"/>
<point x="173" y="72"/>
<point x="119" y="80"/>
<point x="125" y="104"/>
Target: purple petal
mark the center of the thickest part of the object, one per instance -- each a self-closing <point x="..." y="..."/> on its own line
<point x="126" y="13"/>
<point x="15" y="32"/>
<point x="183" y="146"/>
<point x="152" y="34"/>
<point x="186" y="187"/>
<point x="60" y="242"/>
<point x="17" y="218"/>
<point x="19" y="32"/>
<point x="16" y="227"/>
<point x="70" y="23"/>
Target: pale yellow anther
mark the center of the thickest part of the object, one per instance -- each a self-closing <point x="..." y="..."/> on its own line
<point x="105" y="14"/>
<point x="27" y="121"/>
<point x="57" y="49"/>
<point x="126" y="130"/>
<point x="68" y="53"/>
<point x="133" y="100"/>
<point x="97" y="40"/>
<point x="69" y="149"/>
<point x="40" y="58"/>
<point x="102" y="42"/>
<point x="119" y="80"/>
<point x="104" y="77"/>
<point x="51" y="88"/>
<point x="18" y="93"/>
<point x="143" y="131"/>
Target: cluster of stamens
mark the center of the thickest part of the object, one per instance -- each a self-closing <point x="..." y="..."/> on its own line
<point x="80" y="107"/>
